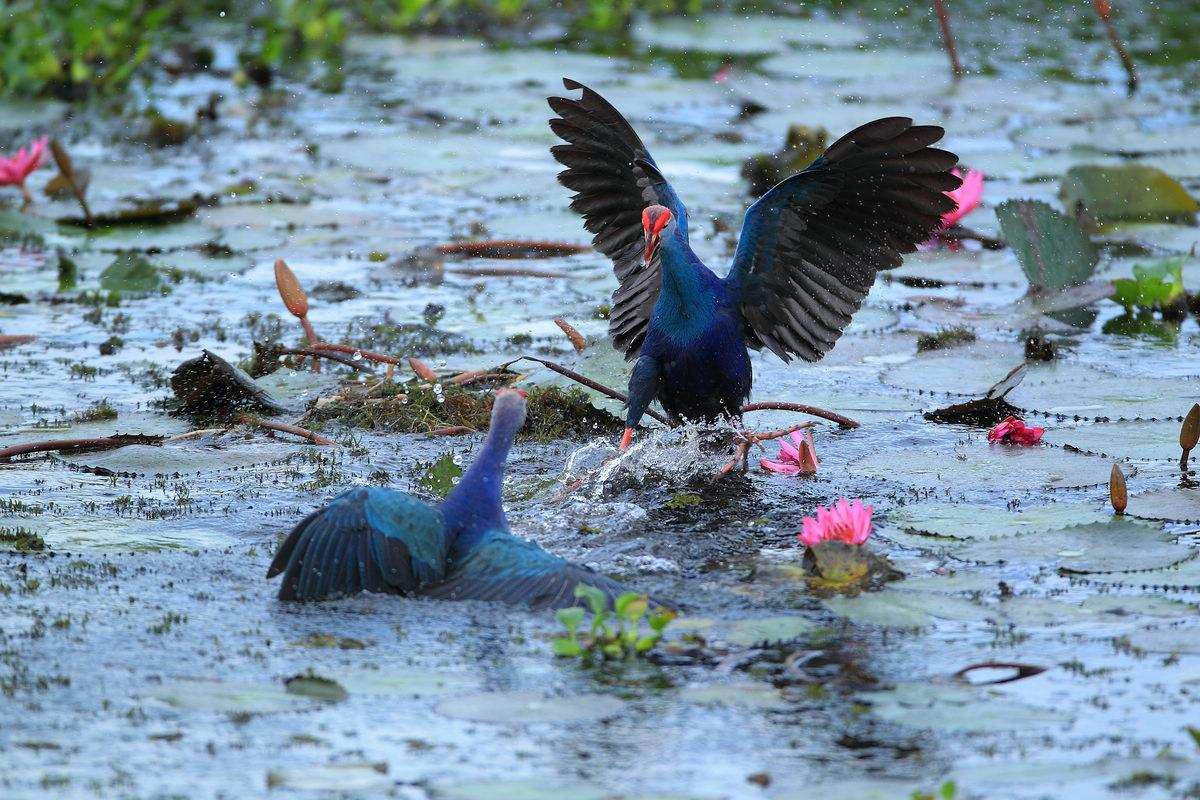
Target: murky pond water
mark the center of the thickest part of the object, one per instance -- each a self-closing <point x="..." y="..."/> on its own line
<point x="144" y="654"/>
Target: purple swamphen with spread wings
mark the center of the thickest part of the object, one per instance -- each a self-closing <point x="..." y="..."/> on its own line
<point x="383" y="540"/>
<point x="808" y="253"/>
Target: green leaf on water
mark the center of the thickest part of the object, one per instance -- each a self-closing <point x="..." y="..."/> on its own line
<point x="1126" y="193"/>
<point x="571" y="618"/>
<point x="316" y="687"/>
<point x="566" y="648"/>
<point x="1052" y="249"/>
<point x="1152" y="285"/>
<point x="441" y="476"/>
<point x="130" y="273"/>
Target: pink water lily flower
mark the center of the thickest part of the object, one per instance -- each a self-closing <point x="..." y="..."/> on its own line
<point x="848" y="522"/>
<point x="1015" y="431"/>
<point x="14" y="170"/>
<point x="966" y="196"/>
<point x="797" y="457"/>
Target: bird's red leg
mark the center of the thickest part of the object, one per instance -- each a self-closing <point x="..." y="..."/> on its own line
<point x="626" y="438"/>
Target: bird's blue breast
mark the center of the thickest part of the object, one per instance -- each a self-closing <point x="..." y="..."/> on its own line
<point x="709" y="375"/>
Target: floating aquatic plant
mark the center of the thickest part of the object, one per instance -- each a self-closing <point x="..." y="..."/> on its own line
<point x="612" y="634"/>
<point x="1052" y="249"/>
<point x="1153" y="287"/>
<point x="1126" y="193"/>
<point x="796" y="457"/>
<point x="1015" y="431"/>
<point x="1118" y="495"/>
<point x="15" y="169"/>
<point x="845" y="521"/>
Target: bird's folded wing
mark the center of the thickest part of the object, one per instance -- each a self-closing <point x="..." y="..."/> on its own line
<point x="614" y="179"/>
<point x="507" y="569"/>
<point x="811" y="246"/>
<point x="365" y="539"/>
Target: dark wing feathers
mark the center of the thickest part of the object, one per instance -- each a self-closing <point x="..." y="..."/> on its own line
<point x="365" y="539"/>
<point x="614" y="178"/>
<point x="505" y="568"/>
<point x="810" y="247"/>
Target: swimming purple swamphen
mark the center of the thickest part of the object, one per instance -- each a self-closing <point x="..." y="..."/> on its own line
<point x="383" y="540"/>
<point x="808" y="253"/>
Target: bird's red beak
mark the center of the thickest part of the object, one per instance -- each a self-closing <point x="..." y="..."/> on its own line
<point x="654" y="219"/>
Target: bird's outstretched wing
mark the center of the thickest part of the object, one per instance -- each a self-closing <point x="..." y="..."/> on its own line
<point x="614" y="178"/>
<point x="366" y="539"/>
<point x="811" y="246"/>
<point x="508" y="569"/>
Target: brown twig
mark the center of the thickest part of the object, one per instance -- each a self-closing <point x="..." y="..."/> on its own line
<point x="477" y="375"/>
<point x="369" y="355"/>
<point x="79" y="445"/>
<point x="577" y="340"/>
<point x="321" y="353"/>
<point x="1104" y="11"/>
<point x="67" y="170"/>
<point x="1189" y="437"/>
<point x="948" y="39"/>
<point x="1022" y="671"/>
<point x="14" y="339"/>
<point x="588" y="382"/>
<point x="283" y="427"/>
<point x="452" y="430"/>
<point x="772" y="405"/>
<point x="510" y="248"/>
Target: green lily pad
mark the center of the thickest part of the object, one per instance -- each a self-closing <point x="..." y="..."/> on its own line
<point x="1126" y="193"/>
<point x="978" y="465"/>
<point x="1052" y="249"/>
<point x="744" y="33"/>
<point x="529" y="707"/>
<point x="316" y="687"/>
<point x="1119" y="137"/>
<point x="900" y="608"/>
<point x="1167" y="640"/>
<point x="749" y="632"/>
<point x="547" y="789"/>
<point x="130" y="273"/>
<point x="1181" y="576"/>
<point x="968" y="370"/>
<point x="737" y="695"/>
<point x="1096" y="609"/>
<point x="119" y="533"/>
<point x="338" y="778"/>
<point x="1074" y="390"/>
<point x="1177" y="504"/>
<point x="407" y="683"/>
<point x="1140" y="440"/>
<point x="178" y="460"/>
<point x="227" y="697"/>
<point x="954" y="709"/>
<point x="967" y="521"/>
<point x="1118" y="545"/>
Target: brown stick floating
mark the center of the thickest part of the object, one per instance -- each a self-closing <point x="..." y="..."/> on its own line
<point x="283" y="427"/>
<point x="79" y="445"/>
<point x="771" y="405"/>
<point x="510" y="248"/>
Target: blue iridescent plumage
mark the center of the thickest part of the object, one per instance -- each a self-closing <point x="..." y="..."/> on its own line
<point x="807" y="255"/>
<point x="383" y="540"/>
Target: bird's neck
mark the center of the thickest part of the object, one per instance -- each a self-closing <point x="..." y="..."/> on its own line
<point x="686" y="302"/>
<point x="474" y="506"/>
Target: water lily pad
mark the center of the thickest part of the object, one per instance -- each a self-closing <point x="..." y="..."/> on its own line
<point x="738" y="695"/>
<point x="228" y="697"/>
<point x="316" y="687"/>
<point x="1141" y="440"/>
<point x="955" y="709"/>
<point x="978" y="465"/>
<point x="1119" y="137"/>
<point x="748" y="632"/>
<point x="528" y="707"/>
<point x="1078" y="391"/>
<point x="1177" y="504"/>
<point x="1130" y="192"/>
<point x="408" y="683"/>
<point x="1051" y="248"/>
<point x="1118" y="545"/>
<point x="130" y="273"/>
<point x="338" y="778"/>
<point x="178" y="460"/>
<point x="900" y="608"/>
<point x="1185" y="575"/>
<point x="547" y="789"/>
<point x="744" y="33"/>
<point x="1096" y="609"/>
<point x="968" y="370"/>
<point x="967" y="521"/>
<point x="119" y="533"/>
<point x="1167" y="640"/>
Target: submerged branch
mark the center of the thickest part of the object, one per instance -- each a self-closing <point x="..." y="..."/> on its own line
<point x="510" y="248"/>
<point x="772" y="405"/>
<point x="79" y="445"/>
<point x="283" y="427"/>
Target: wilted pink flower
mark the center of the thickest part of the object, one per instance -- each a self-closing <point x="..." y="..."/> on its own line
<point x="845" y="522"/>
<point x="14" y="170"/>
<point x="797" y="457"/>
<point x="967" y="196"/>
<point x="1015" y="431"/>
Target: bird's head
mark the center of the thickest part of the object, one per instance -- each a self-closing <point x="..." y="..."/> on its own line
<point x="508" y="412"/>
<point x="655" y="219"/>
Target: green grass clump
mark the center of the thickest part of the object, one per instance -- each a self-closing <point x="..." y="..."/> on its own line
<point x="612" y="634"/>
<point x="418" y="407"/>
<point x="947" y="337"/>
<point x="22" y="540"/>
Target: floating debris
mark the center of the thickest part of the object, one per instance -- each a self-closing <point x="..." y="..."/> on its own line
<point x="209" y="386"/>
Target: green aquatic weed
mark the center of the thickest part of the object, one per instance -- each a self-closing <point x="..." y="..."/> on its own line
<point x="612" y="634"/>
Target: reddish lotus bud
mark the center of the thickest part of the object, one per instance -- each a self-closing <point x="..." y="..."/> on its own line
<point x="577" y="340"/>
<point x="293" y="296"/>
<point x="422" y="370"/>
<point x="1117" y="493"/>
